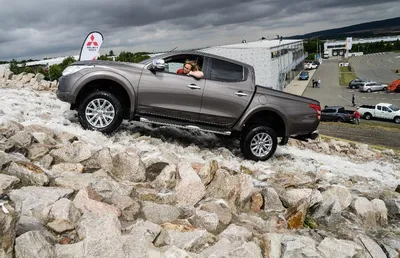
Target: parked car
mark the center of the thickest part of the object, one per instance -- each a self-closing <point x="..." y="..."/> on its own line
<point x="226" y="101"/>
<point x="304" y="75"/>
<point x="372" y="86"/>
<point x="356" y="83"/>
<point x="336" y="114"/>
<point x="382" y="111"/>
<point x="310" y="66"/>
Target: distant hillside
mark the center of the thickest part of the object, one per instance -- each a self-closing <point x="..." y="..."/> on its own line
<point x="369" y="29"/>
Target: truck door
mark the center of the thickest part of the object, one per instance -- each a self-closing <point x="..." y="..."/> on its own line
<point x="168" y="94"/>
<point x="378" y="112"/>
<point x="386" y="113"/>
<point x="228" y="91"/>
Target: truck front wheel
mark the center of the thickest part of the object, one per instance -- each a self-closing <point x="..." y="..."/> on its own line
<point x="100" y="111"/>
<point x="259" y="143"/>
<point x="397" y="119"/>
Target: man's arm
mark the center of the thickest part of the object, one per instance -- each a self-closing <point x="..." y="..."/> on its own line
<point x="196" y="74"/>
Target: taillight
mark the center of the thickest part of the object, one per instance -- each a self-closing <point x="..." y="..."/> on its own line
<point x="317" y="108"/>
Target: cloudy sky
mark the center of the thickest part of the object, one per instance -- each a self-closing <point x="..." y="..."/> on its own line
<point x="50" y="28"/>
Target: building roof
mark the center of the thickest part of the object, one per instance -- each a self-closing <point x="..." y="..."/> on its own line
<point x="261" y="44"/>
<point x="51" y="61"/>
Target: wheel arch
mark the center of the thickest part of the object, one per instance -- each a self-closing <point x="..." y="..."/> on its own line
<point x="106" y="82"/>
<point x="270" y="117"/>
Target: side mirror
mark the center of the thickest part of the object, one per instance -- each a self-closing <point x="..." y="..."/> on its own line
<point x="157" y="65"/>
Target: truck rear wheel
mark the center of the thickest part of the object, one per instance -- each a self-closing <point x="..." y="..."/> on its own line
<point x="259" y="143"/>
<point x="367" y="116"/>
<point x="100" y="111"/>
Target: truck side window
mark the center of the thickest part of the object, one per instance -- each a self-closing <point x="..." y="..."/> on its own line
<point x="227" y="72"/>
<point x="379" y="107"/>
<point x="385" y="109"/>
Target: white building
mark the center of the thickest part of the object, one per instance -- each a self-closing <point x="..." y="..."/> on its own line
<point x="338" y="48"/>
<point x="276" y="62"/>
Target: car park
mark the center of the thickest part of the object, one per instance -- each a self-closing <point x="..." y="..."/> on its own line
<point x="373" y="86"/>
<point x="304" y="75"/>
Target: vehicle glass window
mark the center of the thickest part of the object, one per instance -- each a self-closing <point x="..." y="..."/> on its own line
<point x="385" y="109"/>
<point x="394" y="108"/>
<point x="176" y="62"/>
<point x="227" y="72"/>
<point x="341" y="110"/>
<point x="379" y="107"/>
<point x="328" y="111"/>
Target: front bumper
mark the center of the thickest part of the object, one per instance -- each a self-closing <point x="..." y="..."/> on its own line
<point x="64" y="96"/>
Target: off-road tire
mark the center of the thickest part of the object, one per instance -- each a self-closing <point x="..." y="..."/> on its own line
<point x="116" y="107"/>
<point x="250" y="135"/>
<point x="397" y="119"/>
<point x="339" y="120"/>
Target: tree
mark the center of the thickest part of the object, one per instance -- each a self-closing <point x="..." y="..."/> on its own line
<point x="104" y="57"/>
<point x="111" y="53"/>
<point x="67" y="61"/>
<point x="14" y="67"/>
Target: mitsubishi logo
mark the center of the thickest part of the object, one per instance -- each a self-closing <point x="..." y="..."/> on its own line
<point x="89" y="44"/>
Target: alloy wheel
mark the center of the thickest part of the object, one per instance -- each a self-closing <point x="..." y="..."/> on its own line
<point x="261" y="144"/>
<point x="100" y="113"/>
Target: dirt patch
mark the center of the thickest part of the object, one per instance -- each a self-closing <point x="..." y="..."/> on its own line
<point x="370" y="132"/>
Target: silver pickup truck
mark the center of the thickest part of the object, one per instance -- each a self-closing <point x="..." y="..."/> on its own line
<point x="225" y="101"/>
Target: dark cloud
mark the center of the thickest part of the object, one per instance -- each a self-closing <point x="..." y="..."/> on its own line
<point x="52" y="27"/>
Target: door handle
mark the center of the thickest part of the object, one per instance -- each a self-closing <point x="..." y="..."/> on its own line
<point x="241" y="94"/>
<point x="193" y="86"/>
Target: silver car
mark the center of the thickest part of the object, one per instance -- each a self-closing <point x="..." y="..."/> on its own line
<point x="373" y="86"/>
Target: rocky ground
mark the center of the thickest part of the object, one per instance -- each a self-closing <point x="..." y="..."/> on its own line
<point x="161" y="192"/>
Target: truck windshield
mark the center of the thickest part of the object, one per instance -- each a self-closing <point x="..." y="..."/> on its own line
<point x="394" y="108"/>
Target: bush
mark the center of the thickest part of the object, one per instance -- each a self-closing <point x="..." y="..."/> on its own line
<point x="55" y="72"/>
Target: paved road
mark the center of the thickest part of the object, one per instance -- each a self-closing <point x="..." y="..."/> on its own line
<point x="331" y="93"/>
<point x="377" y="67"/>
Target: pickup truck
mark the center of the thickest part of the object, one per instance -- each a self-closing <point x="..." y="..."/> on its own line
<point x="337" y="114"/>
<point x="380" y="111"/>
<point x="225" y="101"/>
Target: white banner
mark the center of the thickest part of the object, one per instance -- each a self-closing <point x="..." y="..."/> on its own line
<point x="91" y="46"/>
<point x="349" y="43"/>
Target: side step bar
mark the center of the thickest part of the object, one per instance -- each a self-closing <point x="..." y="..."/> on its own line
<point x="190" y="127"/>
<point x="305" y="137"/>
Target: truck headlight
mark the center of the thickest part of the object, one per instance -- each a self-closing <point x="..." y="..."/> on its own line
<point x="75" y="68"/>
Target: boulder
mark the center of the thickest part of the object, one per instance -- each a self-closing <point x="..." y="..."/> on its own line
<point x="128" y="166"/>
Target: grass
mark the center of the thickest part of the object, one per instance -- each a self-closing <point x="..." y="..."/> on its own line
<point x="372" y="146"/>
<point x="345" y="75"/>
<point x="391" y="127"/>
